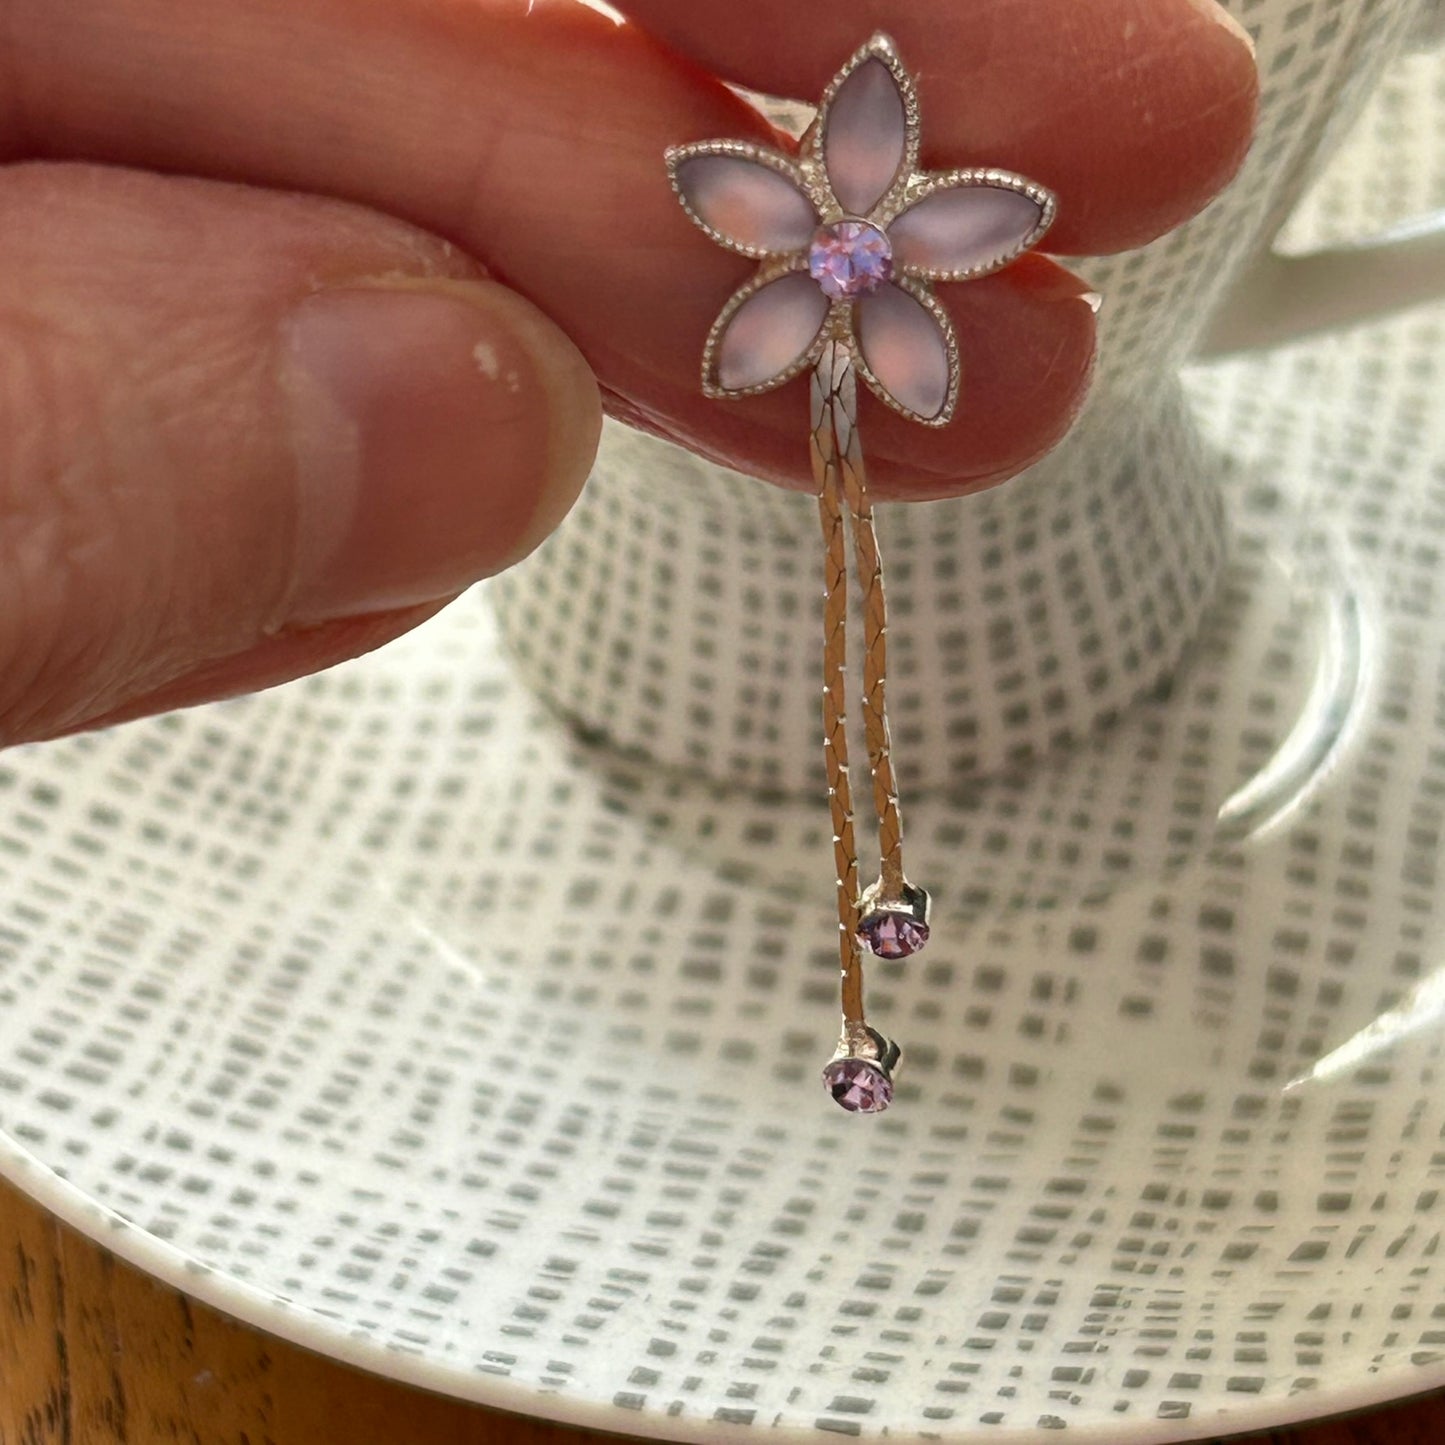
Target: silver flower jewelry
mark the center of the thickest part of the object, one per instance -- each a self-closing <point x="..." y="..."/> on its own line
<point x="849" y="236"/>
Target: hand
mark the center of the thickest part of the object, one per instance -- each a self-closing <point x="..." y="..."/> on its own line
<point x="287" y="287"/>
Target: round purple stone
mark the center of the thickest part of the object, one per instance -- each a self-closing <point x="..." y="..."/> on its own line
<point x="850" y="258"/>
<point x="892" y="935"/>
<point x="859" y="1085"/>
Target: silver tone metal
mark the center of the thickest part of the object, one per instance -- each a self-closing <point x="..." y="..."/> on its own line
<point x="809" y="171"/>
<point x="859" y="1041"/>
<point x="766" y="274"/>
<point x="920" y="187"/>
<point x="741" y="150"/>
<point x="878" y="47"/>
<point x="836" y="358"/>
<point x="885" y="897"/>
<point x="921" y="293"/>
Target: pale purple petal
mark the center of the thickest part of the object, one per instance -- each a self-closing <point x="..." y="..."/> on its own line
<point x="966" y="228"/>
<point x="865" y="137"/>
<point x="755" y="207"/>
<point x="769" y="334"/>
<point x="905" y="349"/>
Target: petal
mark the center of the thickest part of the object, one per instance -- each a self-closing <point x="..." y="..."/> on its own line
<point x="745" y="197"/>
<point x="909" y="355"/>
<point x="764" y="335"/>
<point x="868" y="127"/>
<point x="968" y="223"/>
<point x="1027" y="334"/>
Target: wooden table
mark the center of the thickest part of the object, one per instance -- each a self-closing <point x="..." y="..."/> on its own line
<point x="94" y="1353"/>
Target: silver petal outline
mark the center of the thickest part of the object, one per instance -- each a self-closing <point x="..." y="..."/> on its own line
<point x="935" y="182"/>
<point x="773" y="160"/>
<point x="921" y="293"/>
<point x="764" y="276"/>
<point x="879" y="47"/>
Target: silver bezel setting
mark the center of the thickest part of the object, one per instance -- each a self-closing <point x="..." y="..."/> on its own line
<point x="765" y="275"/>
<point x="910" y="901"/>
<point x="920" y="187"/>
<point x="923" y="294"/>
<point x="878" y="47"/>
<point x="862" y="1041"/>
<point x="740" y="150"/>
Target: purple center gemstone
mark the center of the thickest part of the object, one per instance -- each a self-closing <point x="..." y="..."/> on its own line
<point x="850" y="258"/>
<point x="859" y="1085"/>
<point x="892" y="935"/>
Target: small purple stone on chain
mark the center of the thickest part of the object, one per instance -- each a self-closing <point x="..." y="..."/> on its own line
<point x="892" y="935"/>
<point x="850" y="258"/>
<point x="859" y="1085"/>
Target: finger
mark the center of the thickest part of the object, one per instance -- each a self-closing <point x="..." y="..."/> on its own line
<point x="1135" y="112"/>
<point x="282" y="658"/>
<point x="530" y="133"/>
<point x="1026" y="338"/>
<point x="230" y="418"/>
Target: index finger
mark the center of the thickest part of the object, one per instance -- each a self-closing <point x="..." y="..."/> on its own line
<point x="1135" y="113"/>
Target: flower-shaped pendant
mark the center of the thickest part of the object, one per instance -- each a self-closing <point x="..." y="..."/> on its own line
<point x="850" y="237"/>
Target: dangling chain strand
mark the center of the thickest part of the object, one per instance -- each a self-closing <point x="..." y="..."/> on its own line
<point x="860" y="1075"/>
<point x="875" y="678"/>
<point x="832" y="440"/>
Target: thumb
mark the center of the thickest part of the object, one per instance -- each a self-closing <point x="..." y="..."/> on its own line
<point x="244" y="435"/>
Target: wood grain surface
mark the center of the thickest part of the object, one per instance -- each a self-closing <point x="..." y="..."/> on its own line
<point x="92" y="1352"/>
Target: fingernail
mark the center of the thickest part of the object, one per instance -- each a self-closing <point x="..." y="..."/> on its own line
<point x="441" y="429"/>
<point x="1216" y="12"/>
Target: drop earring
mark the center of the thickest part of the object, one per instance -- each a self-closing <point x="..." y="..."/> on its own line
<point x="850" y="237"/>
